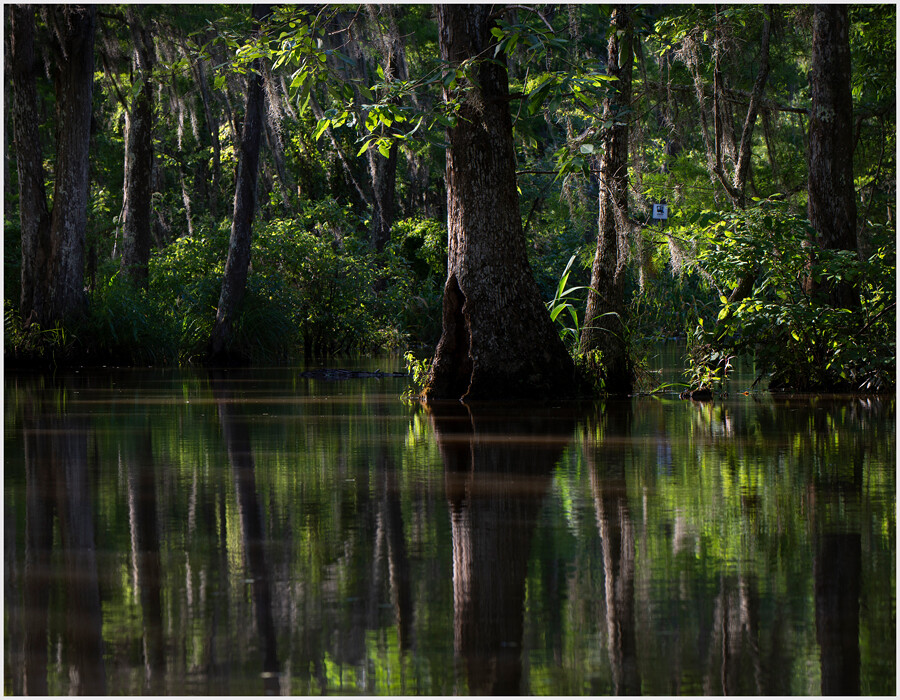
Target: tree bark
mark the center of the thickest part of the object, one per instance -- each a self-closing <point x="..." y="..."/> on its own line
<point x="832" y="199"/>
<point x="384" y="186"/>
<point x="74" y="27"/>
<point x="604" y="327"/>
<point x="33" y="212"/>
<point x="237" y="265"/>
<point x="383" y="170"/>
<point x="497" y="337"/>
<point x="137" y="226"/>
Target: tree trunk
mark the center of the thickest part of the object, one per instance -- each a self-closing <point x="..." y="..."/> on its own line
<point x="74" y="27"/>
<point x="832" y="200"/>
<point x="137" y="226"/>
<point x="383" y="170"/>
<point x="384" y="185"/>
<point x="604" y="327"/>
<point x="33" y="212"/>
<point x="237" y="265"/>
<point x="497" y="337"/>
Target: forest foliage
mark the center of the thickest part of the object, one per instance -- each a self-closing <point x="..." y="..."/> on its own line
<point x="349" y="237"/>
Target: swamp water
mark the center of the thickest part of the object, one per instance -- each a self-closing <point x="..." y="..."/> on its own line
<point x="259" y="531"/>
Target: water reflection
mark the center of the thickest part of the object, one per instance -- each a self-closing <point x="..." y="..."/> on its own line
<point x="498" y="462"/>
<point x="236" y="436"/>
<point x="258" y="532"/>
<point x="58" y="486"/>
<point x="137" y="458"/>
<point x="606" y="460"/>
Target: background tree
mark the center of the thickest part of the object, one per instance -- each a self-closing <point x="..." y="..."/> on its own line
<point x="73" y="29"/>
<point x="137" y="209"/>
<point x="604" y="326"/>
<point x="497" y="338"/>
<point x="832" y="199"/>
<point x="34" y="303"/>
<point x="234" y="281"/>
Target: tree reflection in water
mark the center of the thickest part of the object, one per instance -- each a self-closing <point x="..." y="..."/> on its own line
<point x="137" y="455"/>
<point x="606" y="460"/>
<point x="236" y="435"/>
<point x="498" y="462"/>
<point x="58" y="484"/>
<point x="238" y="538"/>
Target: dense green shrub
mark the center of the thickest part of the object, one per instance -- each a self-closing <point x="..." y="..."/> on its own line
<point x="798" y="336"/>
<point x="313" y="288"/>
<point x="126" y="324"/>
<point x="420" y="245"/>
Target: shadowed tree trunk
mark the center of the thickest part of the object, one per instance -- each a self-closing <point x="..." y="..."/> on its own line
<point x="237" y="266"/>
<point x="53" y="242"/>
<point x="33" y="212"/>
<point x="383" y="170"/>
<point x="497" y="337"/>
<point x="832" y="200"/>
<point x="137" y="225"/>
<point x="74" y="26"/>
<point x="604" y="327"/>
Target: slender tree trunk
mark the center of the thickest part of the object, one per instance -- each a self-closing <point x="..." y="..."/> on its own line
<point x="604" y="327"/>
<point x="497" y="337"/>
<point x="832" y="199"/>
<point x="384" y="186"/>
<point x="237" y="265"/>
<point x="383" y="170"/>
<point x="137" y="226"/>
<point x="74" y="26"/>
<point x="33" y="212"/>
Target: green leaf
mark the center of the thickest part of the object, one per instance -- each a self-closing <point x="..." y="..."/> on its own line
<point x="320" y="129"/>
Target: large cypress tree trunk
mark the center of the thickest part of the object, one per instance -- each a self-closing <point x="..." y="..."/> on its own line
<point x="603" y="327"/>
<point x="234" y="281"/>
<point x="497" y="337"/>
<point x="33" y="212"/>
<point x="832" y="200"/>
<point x="137" y="227"/>
<point x="74" y="27"/>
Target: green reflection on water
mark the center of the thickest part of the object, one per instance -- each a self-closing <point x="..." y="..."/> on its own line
<point x="263" y="531"/>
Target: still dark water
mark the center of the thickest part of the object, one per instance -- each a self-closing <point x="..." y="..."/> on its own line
<point x="249" y="532"/>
